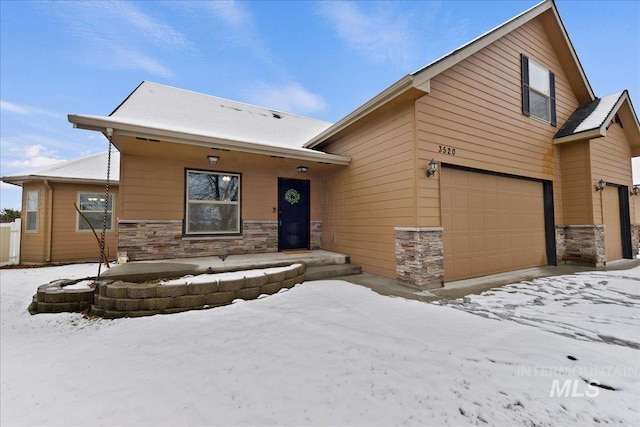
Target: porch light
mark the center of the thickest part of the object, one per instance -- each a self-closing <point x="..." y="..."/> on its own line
<point x="432" y="169"/>
<point x="303" y="169"/>
<point x="601" y="185"/>
<point x="213" y="159"/>
<point x="635" y="190"/>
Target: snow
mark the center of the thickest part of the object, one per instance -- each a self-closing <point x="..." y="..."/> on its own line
<point x="170" y="108"/>
<point x="330" y="353"/>
<point x="598" y="116"/>
<point x="92" y="167"/>
<point x="232" y="275"/>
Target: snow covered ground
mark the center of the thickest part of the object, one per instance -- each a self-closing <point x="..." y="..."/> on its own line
<point x="331" y="353"/>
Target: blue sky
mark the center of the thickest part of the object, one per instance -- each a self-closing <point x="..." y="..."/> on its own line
<point x="317" y="59"/>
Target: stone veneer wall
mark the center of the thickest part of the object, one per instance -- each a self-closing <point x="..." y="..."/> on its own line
<point x="419" y="257"/>
<point x="147" y="239"/>
<point x="561" y="247"/>
<point x="584" y="244"/>
<point x="635" y="239"/>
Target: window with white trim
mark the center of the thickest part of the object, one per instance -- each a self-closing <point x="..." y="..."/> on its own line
<point x="212" y="203"/>
<point x="91" y="206"/>
<point x="538" y="91"/>
<point x="31" y="223"/>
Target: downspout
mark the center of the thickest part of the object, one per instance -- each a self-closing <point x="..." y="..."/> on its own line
<point x="49" y="220"/>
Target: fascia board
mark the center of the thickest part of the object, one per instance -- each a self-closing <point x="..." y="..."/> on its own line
<point x="127" y="129"/>
<point x="589" y="134"/>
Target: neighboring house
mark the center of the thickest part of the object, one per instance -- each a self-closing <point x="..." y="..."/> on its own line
<point x="487" y="160"/>
<point x="52" y="229"/>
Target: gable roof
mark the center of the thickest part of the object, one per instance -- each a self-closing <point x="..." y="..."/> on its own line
<point x="85" y="170"/>
<point x="593" y="119"/>
<point x="162" y="112"/>
<point x="417" y="83"/>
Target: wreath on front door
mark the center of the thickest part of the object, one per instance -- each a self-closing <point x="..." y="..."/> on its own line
<point x="292" y="196"/>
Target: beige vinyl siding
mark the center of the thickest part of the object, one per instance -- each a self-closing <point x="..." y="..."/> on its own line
<point x="153" y="187"/>
<point x="611" y="161"/>
<point x="475" y="107"/>
<point x="611" y="220"/>
<point x="576" y="183"/>
<point x="68" y="244"/>
<point x="32" y="244"/>
<point x="374" y="194"/>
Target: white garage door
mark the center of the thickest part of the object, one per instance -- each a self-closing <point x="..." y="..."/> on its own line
<point x="492" y="224"/>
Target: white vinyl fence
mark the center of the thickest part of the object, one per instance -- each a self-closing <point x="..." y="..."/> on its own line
<point x="10" y="243"/>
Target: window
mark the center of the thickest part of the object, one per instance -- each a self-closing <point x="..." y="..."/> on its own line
<point x="213" y="203"/>
<point x="32" y="211"/>
<point x="91" y="205"/>
<point x="538" y="91"/>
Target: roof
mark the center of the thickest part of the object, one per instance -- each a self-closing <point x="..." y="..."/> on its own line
<point x="593" y="119"/>
<point x="418" y="84"/>
<point x="168" y="113"/>
<point x="85" y="170"/>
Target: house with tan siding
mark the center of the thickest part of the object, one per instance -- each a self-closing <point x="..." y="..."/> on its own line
<point x="53" y="230"/>
<point x="496" y="157"/>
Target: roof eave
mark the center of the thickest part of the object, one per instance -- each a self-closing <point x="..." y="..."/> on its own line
<point x="101" y="124"/>
<point x="21" y="179"/>
<point x="587" y="134"/>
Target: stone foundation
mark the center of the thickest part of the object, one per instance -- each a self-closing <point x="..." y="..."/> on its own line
<point x="316" y="235"/>
<point x="419" y="257"/>
<point x="584" y="244"/>
<point x="561" y="248"/>
<point x="635" y="239"/>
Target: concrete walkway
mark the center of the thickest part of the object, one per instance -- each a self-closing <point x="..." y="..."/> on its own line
<point x="459" y="289"/>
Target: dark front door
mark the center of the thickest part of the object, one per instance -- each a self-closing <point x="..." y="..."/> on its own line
<point x="293" y="214"/>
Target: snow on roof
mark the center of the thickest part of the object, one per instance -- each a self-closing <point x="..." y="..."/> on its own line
<point x="170" y="108"/>
<point x="590" y="116"/>
<point x="89" y="168"/>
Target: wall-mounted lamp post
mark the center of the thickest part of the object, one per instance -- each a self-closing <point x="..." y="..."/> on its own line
<point x="432" y="169"/>
<point x="303" y="169"/>
<point x="601" y="185"/>
<point x="213" y="159"/>
<point x="635" y="190"/>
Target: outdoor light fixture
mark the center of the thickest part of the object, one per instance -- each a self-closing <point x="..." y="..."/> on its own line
<point x="303" y="169"/>
<point x="635" y="190"/>
<point x="213" y="159"/>
<point x="432" y="169"/>
<point x="601" y="185"/>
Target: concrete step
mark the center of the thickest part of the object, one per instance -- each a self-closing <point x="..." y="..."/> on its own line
<point x="321" y="272"/>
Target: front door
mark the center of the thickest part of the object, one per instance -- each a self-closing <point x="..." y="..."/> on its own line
<point x="293" y="214"/>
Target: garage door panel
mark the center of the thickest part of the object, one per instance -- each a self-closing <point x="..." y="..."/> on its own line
<point x="494" y="224"/>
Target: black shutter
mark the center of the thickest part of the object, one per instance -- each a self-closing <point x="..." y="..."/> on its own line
<point x="552" y="98"/>
<point x="524" y="71"/>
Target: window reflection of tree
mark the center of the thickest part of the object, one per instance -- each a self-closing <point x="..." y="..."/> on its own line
<point x="216" y="188"/>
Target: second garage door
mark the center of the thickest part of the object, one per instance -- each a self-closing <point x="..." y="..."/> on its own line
<point x="492" y="224"/>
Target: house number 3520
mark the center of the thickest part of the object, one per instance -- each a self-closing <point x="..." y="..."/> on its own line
<point x="442" y="149"/>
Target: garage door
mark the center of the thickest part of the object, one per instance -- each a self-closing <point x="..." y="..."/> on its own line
<point x="492" y="224"/>
<point x="612" y="231"/>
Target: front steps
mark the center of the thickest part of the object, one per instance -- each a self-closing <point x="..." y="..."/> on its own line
<point x="323" y="272"/>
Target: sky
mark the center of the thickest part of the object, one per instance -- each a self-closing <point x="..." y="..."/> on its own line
<point x="316" y="59"/>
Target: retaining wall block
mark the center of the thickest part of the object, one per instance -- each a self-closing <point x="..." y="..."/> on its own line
<point x="141" y="313"/>
<point x="190" y="301"/>
<point x="231" y="285"/>
<point x="118" y="289"/>
<point x="163" y="291"/>
<point x="291" y="273"/>
<point x="271" y="288"/>
<point x="142" y="290"/>
<point x="54" y="297"/>
<point x="128" y="304"/>
<point x="220" y="298"/>
<point x="288" y="283"/>
<point x="277" y="277"/>
<point x="153" y="304"/>
<point x="299" y="279"/>
<point x="106" y="303"/>
<point x="248" y="293"/>
<point x="256" y="281"/>
<point x="202" y="288"/>
<point x="46" y="307"/>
